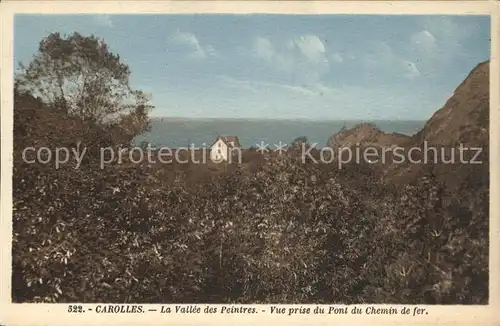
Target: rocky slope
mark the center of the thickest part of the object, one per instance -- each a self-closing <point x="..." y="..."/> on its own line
<point x="465" y="116"/>
<point x="366" y="134"/>
<point x="464" y="119"/>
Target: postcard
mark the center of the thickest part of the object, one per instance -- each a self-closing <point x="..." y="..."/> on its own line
<point x="244" y="162"/>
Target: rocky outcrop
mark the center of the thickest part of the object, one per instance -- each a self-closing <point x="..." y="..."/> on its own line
<point x="366" y="134"/>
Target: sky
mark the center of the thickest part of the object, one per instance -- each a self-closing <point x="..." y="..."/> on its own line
<point x="320" y="67"/>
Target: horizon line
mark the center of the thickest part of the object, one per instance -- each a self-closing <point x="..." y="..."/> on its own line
<point x="282" y="119"/>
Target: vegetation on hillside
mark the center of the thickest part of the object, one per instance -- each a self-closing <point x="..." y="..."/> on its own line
<point x="282" y="232"/>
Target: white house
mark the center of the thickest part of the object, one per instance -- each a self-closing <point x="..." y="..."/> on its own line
<point x="222" y="148"/>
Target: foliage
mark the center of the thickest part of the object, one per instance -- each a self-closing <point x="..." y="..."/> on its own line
<point x="298" y="141"/>
<point x="80" y="76"/>
<point x="287" y="232"/>
<point x="280" y="232"/>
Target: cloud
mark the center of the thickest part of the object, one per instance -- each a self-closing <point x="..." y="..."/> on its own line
<point x="303" y="58"/>
<point x="446" y="29"/>
<point x="258" y="86"/>
<point x="337" y="58"/>
<point x="320" y="101"/>
<point x="424" y="41"/>
<point x="311" y="48"/>
<point x="411" y="70"/>
<point x="192" y="45"/>
<point x="210" y="50"/>
<point x="438" y="42"/>
<point x="382" y="60"/>
<point x="103" y="20"/>
<point x="263" y="48"/>
<point x="438" y="34"/>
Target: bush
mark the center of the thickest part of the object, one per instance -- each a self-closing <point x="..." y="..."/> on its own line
<point x="286" y="233"/>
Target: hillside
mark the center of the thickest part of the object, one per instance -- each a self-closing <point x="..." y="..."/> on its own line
<point x="284" y="232"/>
<point x="465" y="116"/>
<point x="464" y="119"/>
<point x="366" y="134"/>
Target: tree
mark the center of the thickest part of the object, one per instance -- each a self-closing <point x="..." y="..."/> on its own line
<point x="298" y="141"/>
<point x="79" y="74"/>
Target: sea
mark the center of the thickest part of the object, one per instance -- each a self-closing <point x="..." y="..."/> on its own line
<point x="201" y="132"/>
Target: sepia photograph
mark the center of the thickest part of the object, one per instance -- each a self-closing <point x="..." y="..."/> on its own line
<point x="250" y="159"/>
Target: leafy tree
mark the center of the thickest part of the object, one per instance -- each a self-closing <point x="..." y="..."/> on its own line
<point x="79" y="75"/>
<point x="299" y="140"/>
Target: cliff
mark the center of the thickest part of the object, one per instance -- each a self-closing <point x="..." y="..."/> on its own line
<point x="465" y="116"/>
<point x="464" y="119"/>
<point x="366" y="134"/>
